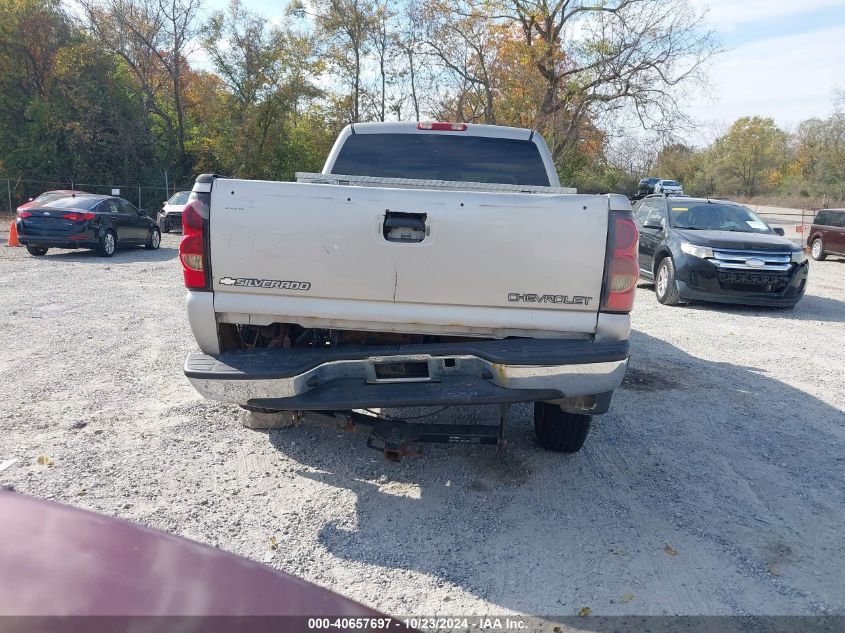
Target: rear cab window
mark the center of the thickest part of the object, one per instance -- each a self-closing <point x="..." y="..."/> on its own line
<point x="442" y="157"/>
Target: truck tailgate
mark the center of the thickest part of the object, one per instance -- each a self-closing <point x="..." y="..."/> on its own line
<point x="477" y="263"/>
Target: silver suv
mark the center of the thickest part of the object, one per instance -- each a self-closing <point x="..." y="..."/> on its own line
<point x="668" y="186"/>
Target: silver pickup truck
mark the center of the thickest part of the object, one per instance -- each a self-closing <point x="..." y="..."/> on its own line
<point x="427" y="264"/>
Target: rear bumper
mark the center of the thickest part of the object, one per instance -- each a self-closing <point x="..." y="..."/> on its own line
<point x="86" y="238"/>
<point x="512" y="370"/>
<point x="56" y="242"/>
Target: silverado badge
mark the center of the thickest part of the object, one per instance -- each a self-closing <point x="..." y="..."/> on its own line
<point x="247" y="282"/>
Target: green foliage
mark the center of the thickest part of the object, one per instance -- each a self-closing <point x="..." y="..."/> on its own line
<point x="754" y="157"/>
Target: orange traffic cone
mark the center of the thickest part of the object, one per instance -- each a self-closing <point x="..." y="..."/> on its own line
<point x="13" y="235"/>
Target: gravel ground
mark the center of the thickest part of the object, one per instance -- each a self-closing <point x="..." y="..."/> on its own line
<point x="716" y="484"/>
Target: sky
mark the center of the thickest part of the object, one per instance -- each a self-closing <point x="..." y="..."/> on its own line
<point x="783" y="59"/>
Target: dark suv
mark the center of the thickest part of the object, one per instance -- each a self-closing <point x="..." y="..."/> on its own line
<point x="646" y="185"/>
<point x="827" y="234"/>
<point x="716" y="250"/>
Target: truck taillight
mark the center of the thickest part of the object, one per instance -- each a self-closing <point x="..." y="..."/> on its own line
<point x="442" y="127"/>
<point x="192" y="246"/>
<point x="622" y="270"/>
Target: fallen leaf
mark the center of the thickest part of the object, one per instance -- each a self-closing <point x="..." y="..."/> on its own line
<point x="274" y="544"/>
<point x="82" y="493"/>
<point x="774" y="570"/>
<point x="584" y="612"/>
<point x="627" y="597"/>
<point x="670" y="550"/>
<point x="43" y="460"/>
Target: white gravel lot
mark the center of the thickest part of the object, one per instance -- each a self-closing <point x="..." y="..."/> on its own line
<point x="716" y="484"/>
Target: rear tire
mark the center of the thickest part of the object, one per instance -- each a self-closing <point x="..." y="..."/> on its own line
<point x="155" y="240"/>
<point x="665" y="286"/>
<point x="108" y="244"/>
<point x="558" y="430"/>
<point x="817" y="250"/>
<point x="36" y="251"/>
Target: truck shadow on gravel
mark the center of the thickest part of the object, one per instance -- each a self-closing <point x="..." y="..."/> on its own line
<point x="683" y="500"/>
<point x="121" y="256"/>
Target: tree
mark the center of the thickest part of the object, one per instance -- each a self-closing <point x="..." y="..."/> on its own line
<point x="597" y="57"/>
<point x="153" y="37"/>
<point x="676" y="161"/>
<point x="464" y="41"/>
<point x="409" y="41"/>
<point x="268" y="73"/>
<point x="68" y="109"/>
<point x="751" y="150"/>
<point x="347" y="26"/>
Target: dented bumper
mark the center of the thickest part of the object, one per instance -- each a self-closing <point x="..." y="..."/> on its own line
<point x="512" y="370"/>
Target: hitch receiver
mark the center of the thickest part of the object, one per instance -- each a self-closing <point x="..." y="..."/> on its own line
<point x="398" y="438"/>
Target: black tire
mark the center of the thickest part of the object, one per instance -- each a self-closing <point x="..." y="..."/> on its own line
<point x="667" y="293"/>
<point x="165" y="226"/>
<point x="108" y="244"/>
<point x="154" y="240"/>
<point x="817" y="250"/>
<point x="558" y="430"/>
<point x="36" y="251"/>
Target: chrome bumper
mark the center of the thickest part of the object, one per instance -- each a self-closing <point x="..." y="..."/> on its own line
<point x="507" y="383"/>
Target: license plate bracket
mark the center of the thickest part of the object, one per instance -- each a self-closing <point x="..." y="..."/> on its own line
<point x="401" y="371"/>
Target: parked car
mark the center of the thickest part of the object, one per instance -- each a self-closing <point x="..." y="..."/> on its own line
<point x="827" y="234"/>
<point x="428" y="264"/>
<point x="716" y="250"/>
<point x="668" y="186"/>
<point x="103" y="223"/>
<point x="170" y="216"/>
<point x="49" y="196"/>
<point x="646" y="185"/>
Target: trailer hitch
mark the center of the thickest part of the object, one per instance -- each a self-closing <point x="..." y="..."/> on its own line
<point x="398" y="438"/>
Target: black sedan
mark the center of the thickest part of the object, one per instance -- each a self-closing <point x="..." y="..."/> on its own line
<point x="104" y="223"/>
<point x="715" y="250"/>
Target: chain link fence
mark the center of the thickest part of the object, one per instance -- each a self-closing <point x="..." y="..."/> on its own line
<point x="795" y="222"/>
<point x="16" y="191"/>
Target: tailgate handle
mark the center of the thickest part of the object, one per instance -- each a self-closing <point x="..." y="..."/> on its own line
<point x="404" y="227"/>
